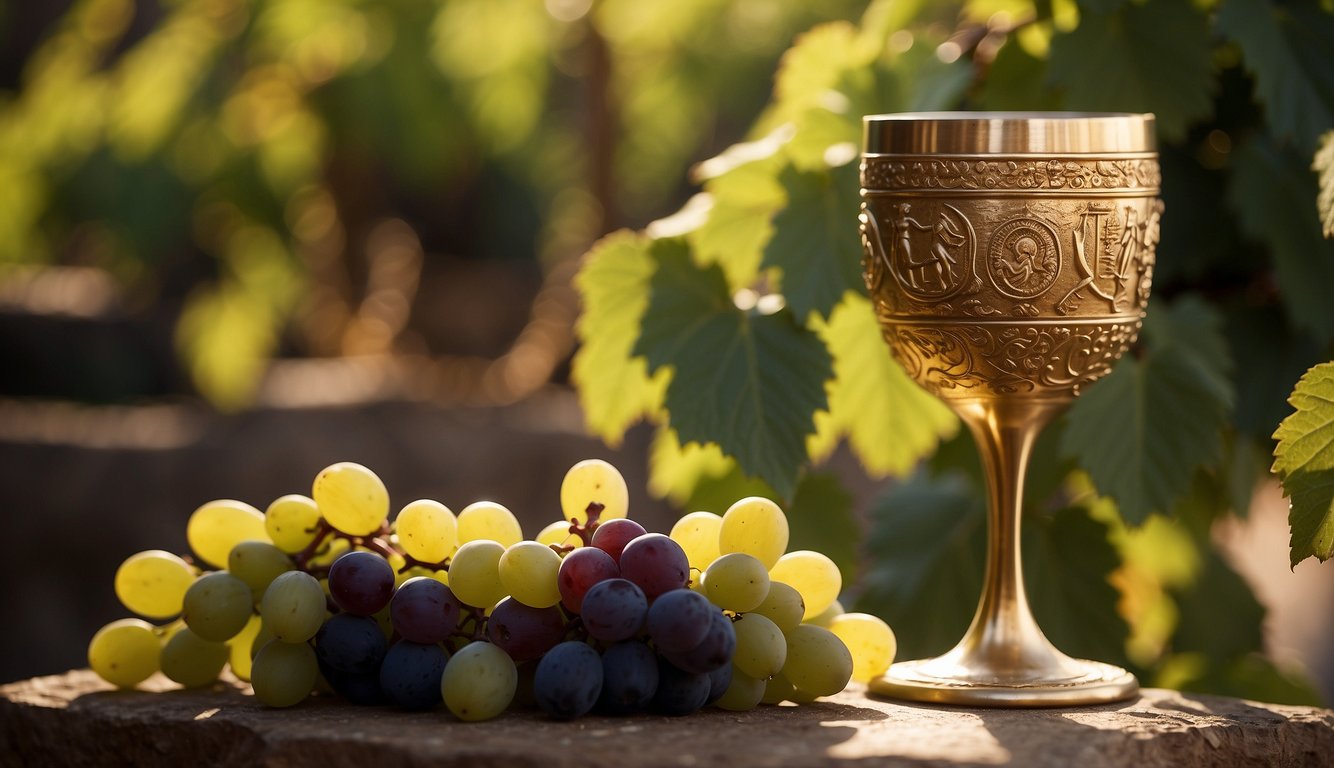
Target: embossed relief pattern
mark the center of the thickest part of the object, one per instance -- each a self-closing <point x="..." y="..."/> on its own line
<point x="934" y="173"/>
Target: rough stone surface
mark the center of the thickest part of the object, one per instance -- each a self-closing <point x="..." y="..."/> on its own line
<point x="75" y="719"/>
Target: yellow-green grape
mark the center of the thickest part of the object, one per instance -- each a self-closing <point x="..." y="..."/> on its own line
<point x="331" y="551"/>
<point x="165" y="631"/>
<point x="827" y="616"/>
<point x="777" y="690"/>
<point x="261" y="639"/>
<point x="291" y="521"/>
<point x="743" y="693"/>
<point x="351" y="498"/>
<point x="870" y="641"/>
<point x="697" y="533"/>
<point x="427" y="531"/>
<point x="474" y="573"/>
<point x="218" y="526"/>
<point x="293" y="607"/>
<point x="761" y="648"/>
<point x="257" y="563"/>
<point x="479" y="682"/>
<point x="489" y="521"/>
<point x="217" y="606"/>
<point x="818" y="663"/>
<point x="813" y="575"/>
<point x="755" y="526"/>
<point x="191" y="660"/>
<point x="528" y="574"/>
<point x="284" y="673"/>
<point x="736" y="582"/>
<point x="594" y="481"/>
<point x="241" y="649"/>
<point x="153" y="583"/>
<point x="125" y="652"/>
<point x="783" y="606"/>
<point x="558" y="534"/>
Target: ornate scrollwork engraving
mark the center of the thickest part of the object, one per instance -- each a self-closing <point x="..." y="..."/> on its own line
<point x="1064" y="174"/>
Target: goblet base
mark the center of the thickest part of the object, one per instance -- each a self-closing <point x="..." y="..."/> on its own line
<point x="1079" y="682"/>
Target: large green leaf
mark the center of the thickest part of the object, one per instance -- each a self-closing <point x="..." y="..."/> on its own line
<point x="1324" y="165"/>
<point x="1141" y="432"/>
<point x="749" y="381"/>
<point x="697" y="476"/>
<point x="1304" y="461"/>
<point x="1219" y="616"/>
<point x="744" y="194"/>
<point x="1015" y="80"/>
<point x="1286" y="47"/>
<point x="820" y="518"/>
<point x="614" y="387"/>
<point x="1146" y="57"/>
<point x="1271" y="193"/>
<point x="890" y="422"/>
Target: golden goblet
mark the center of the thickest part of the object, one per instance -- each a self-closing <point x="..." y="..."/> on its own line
<point x="1009" y="257"/>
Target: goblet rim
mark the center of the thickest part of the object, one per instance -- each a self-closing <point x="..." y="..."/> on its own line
<point x="1009" y="133"/>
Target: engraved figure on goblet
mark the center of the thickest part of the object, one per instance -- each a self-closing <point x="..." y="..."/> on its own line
<point x="1031" y="332"/>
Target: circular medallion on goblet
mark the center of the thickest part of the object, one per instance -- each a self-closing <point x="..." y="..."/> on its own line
<point x="1009" y="257"/>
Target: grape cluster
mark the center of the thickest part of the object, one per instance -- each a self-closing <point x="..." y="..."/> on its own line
<point x="322" y="594"/>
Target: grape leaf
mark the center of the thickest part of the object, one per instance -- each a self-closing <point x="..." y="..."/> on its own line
<point x="1286" y="48"/>
<point x="749" y="381"/>
<point x="697" y="475"/>
<point x="1142" y="431"/>
<point x="745" y="196"/>
<point x="1324" y="165"/>
<point x="1271" y="192"/>
<point x="820" y="518"/>
<point x="815" y="239"/>
<point x="891" y="423"/>
<point x="1147" y="57"/>
<point x="1217" y="592"/>
<point x="614" y="387"/>
<point x="1015" y="80"/>
<point x="1304" y="462"/>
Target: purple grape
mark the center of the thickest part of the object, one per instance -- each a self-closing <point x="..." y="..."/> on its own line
<point x="720" y="680"/>
<point x="580" y="570"/>
<point x="614" y="610"/>
<point x="524" y="632"/>
<point x="612" y="536"/>
<point x="679" y="692"/>
<point x="629" y="677"/>
<point x="361" y="583"/>
<point x="713" y="651"/>
<point x="350" y="644"/>
<point x="568" y="680"/>
<point x="424" y="611"/>
<point x="656" y="564"/>
<point x="678" y="620"/>
<point x="361" y="689"/>
<point x="410" y="674"/>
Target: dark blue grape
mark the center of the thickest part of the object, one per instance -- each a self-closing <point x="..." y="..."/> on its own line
<point x="361" y="583"/>
<point x="410" y="674"/>
<point x="679" y="692"/>
<point x="522" y="631"/>
<point x="629" y="677"/>
<point x="612" y="536"/>
<point x="568" y="680"/>
<point x="655" y="563"/>
<point x="350" y="644"/>
<point x="360" y="689"/>
<point x="579" y="571"/>
<point x="424" y="611"/>
<point x="713" y="651"/>
<point x="614" y="610"/>
<point x="678" y="620"/>
<point x="720" y="680"/>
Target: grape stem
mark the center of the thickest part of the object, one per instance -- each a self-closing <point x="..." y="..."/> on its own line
<point x="583" y="530"/>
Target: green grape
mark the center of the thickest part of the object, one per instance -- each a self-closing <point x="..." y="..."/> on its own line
<point x="125" y="652"/>
<point x="479" y="682"/>
<point x="594" y="480"/>
<point x="489" y="521"/>
<point x="558" y="534"/>
<point x="761" y="648"/>
<point x="351" y="498"/>
<point x="697" y="533"/>
<point x="783" y="606"/>
<point x="331" y="551"/>
<point x="427" y="531"/>
<point x="528" y="574"/>
<point x="755" y="526"/>
<point x="291" y="521"/>
<point x="736" y="582"/>
<point x="153" y="583"/>
<point x="777" y="690"/>
<point x="284" y="673"/>
<point x="293" y="607"/>
<point x="241" y="649"/>
<point x="815" y="576"/>
<point x="474" y="573"/>
<point x="870" y="641"/>
<point x="217" y="606"/>
<point x="818" y="663"/>
<point x="216" y="527"/>
<point x="827" y="616"/>
<point x="257" y="563"/>
<point x="191" y="660"/>
<point x="743" y="694"/>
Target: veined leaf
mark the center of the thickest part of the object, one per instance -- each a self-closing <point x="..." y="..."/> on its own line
<point x="890" y="422"/>
<point x="1304" y="462"/>
<point x="815" y="241"/>
<point x="740" y="221"/>
<point x="1146" y="57"/>
<point x="1218" y="592"/>
<point x="1141" y="432"/>
<point x="750" y="382"/>
<point x="1286" y="47"/>
<point x="614" y="387"/>
<point x="698" y="476"/>
<point x="1324" y="165"/>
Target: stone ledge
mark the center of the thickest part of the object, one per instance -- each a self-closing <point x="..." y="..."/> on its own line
<point x="76" y="719"/>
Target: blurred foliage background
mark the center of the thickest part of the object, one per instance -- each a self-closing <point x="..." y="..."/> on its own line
<point x="252" y="206"/>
